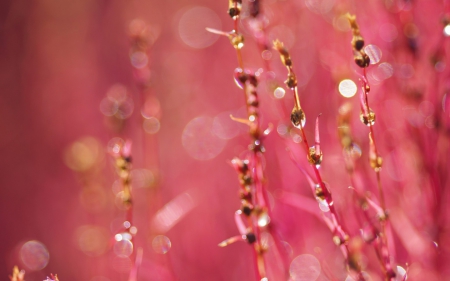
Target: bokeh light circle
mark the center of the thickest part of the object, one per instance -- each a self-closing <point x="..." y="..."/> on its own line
<point x="151" y="125"/>
<point x="200" y="141"/>
<point x="161" y="244"/>
<point x="123" y="248"/>
<point x="347" y="88"/>
<point x="193" y="24"/>
<point x="305" y="267"/>
<point x="92" y="240"/>
<point x="34" y="255"/>
<point x="224" y="127"/>
<point x="374" y="53"/>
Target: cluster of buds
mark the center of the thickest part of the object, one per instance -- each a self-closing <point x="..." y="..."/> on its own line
<point x="367" y="115"/>
<point x="142" y="36"/>
<point x="234" y="8"/>
<point x="298" y="117"/>
<point x="247" y="207"/>
<point x="291" y="81"/>
<point x="122" y="156"/>
<point x="315" y="154"/>
<point x="52" y="278"/>
<point x="17" y="275"/>
<point x="351" y="150"/>
<point x="360" y="57"/>
<point x="245" y="181"/>
<point x="236" y="40"/>
<point x="355" y="255"/>
<point x="248" y="81"/>
<point x="375" y="160"/>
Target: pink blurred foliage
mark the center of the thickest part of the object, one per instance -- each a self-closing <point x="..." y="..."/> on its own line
<point x="79" y="77"/>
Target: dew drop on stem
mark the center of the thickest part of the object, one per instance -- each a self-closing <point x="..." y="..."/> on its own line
<point x="298" y="118"/>
<point x="368" y="119"/>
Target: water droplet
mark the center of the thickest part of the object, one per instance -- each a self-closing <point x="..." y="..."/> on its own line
<point x="319" y="192"/>
<point x="161" y="244"/>
<point x="401" y="274"/>
<point x="323" y="206"/>
<point x="239" y="77"/>
<point x="298" y="117"/>
<point x="34" y="255"/>
<point x="374" y="53"/>
<point x="123" y="248"/>
<point x="305" y="267"/>
<point x="313" y="158"/>
<point x="237" y="41"/>
<point x="354" y="151"/>
<point x="263" y="219"/>
<point x="447" y="30"/>
<point x="368" y="120"/>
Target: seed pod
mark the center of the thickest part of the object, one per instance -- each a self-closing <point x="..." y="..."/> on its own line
<point x="358" y="42"/>
<point x="240" y="77"/>
<point x="286" y="60"/>
<point x="319" y="192"/>
<point x="291" y="81"/>
<point x="298" y="118"/>
<point x="368" y="119"/>
<point x="313" y="157"/>
<point x="234" y="8"/>
<point x="247" y="210"/>
<point x="362" y="59"/>
<point x="237" y="41"/>
<point x="251" y="238"/>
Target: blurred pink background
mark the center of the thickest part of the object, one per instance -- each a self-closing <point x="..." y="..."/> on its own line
<point x="59" y="59"/>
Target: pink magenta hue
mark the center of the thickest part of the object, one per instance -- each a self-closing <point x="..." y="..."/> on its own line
<point x="60" y="186"/>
